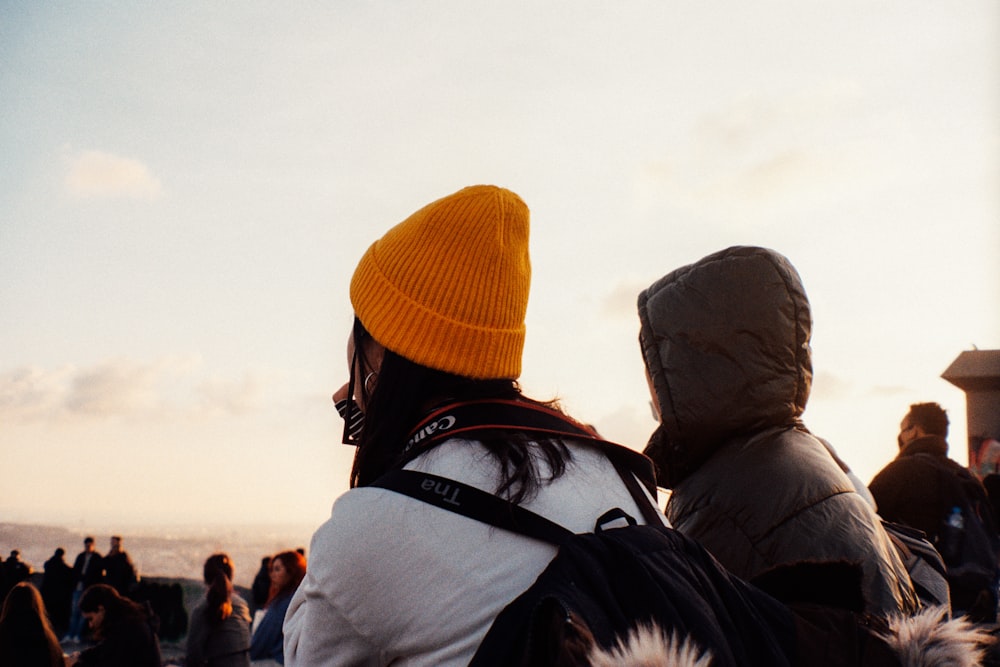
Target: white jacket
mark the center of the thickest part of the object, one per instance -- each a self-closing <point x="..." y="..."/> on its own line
<point x="394" y="580"/>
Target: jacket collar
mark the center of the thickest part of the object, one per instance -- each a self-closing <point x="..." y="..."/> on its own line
<point x="928" y="444"/>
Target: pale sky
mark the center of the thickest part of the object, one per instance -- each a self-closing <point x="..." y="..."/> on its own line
<point x="186" y="187"/>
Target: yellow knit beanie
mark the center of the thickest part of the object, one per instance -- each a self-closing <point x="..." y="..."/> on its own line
<point x="447" y="288"/>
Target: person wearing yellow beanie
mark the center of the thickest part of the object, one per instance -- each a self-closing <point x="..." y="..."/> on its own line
<point x="447" y="288"/>
<point x="439" y="305"/>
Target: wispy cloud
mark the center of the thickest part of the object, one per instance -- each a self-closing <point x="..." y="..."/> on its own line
<point x="124" y="388"/>
<point x="830" y="387"/>
<point x="232" y="396"/>
<point x="887" y="391"/>
<point x="757" y="120"/>
<point x="31" y="393"/>
<point x="621" y="301"/>
<point x="112" y="388"/>
<point x="630" y="425"/>
<point x="762" y="152"/>
<point x="103" y="175"/>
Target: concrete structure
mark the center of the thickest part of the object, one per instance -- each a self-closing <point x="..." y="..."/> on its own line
<point x="977" y="373"/>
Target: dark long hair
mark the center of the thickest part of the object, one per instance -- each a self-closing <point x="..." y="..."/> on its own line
<point x="406" y="391"/>
<point x="118" y="610"/>
<point x="26" y="636"/>
<point x="218" y="575"/>
<point x="295" y="564"/>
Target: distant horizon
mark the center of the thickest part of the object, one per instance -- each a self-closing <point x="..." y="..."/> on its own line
<point x="188" y="528"/>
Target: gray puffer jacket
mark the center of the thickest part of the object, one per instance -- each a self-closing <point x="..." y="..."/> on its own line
<point x="726" y="344"/>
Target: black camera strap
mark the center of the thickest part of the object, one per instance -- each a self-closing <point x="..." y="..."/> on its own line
<point x="469" y="418"/>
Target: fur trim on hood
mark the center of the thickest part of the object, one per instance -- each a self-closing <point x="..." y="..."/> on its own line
<point x="647" y="646"/>
<point x="926" y="639"/>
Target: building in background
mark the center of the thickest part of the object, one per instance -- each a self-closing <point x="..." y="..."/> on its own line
<point x="977" y="373"/>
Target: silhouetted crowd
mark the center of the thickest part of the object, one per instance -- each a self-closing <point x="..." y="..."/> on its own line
<point x="102" y="606"/>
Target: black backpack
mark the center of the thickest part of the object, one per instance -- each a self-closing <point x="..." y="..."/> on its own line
<point x="968" y="541"/>
<point x="923" y="563"/>
<point x="602" y="585"/>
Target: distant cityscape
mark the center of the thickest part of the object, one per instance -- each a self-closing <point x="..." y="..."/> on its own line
<point x="175" y="552"/>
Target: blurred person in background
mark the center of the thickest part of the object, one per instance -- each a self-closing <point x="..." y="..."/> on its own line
<point x="219" y="633"/>
<point x="119" y="570"/>
<point x="88" y="569"/>
<point x="925" y="489"/>
<point x="288" y="568"/>
<point x="261" y="584"/>
<point x="57" y="590"/>
<point x="26" y="637"/>
<point x="123" y="629"/>
<point x="15" y="571"/>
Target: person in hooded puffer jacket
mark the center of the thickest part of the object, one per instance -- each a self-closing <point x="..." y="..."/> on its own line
<point x="726" y="348"/>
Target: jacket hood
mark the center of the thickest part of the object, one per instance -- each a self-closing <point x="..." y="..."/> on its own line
<point x="726" y="343"/>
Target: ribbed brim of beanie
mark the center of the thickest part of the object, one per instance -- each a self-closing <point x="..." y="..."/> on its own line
<point x="447" y="288"/>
